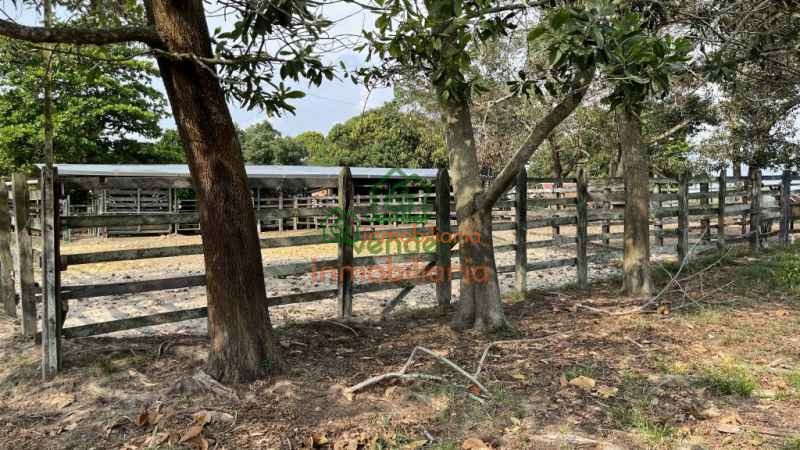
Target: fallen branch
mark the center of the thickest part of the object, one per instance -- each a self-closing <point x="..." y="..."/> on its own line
<point x="703" y="297"/>
<point x="629" y="339"/>
<point x="403" y="372"/>
<point x="333" y="322"/>
<point x="770" y="431"/>
<point x="390" y="375"/>
<point x="511" y="341"/>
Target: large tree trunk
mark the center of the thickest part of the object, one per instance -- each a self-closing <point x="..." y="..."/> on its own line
<point x="242" y="345"/>
<point x="479" y="304"/>
<point x="636" y="260"/>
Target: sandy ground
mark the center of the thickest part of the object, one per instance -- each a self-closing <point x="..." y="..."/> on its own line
<point x="366" y="305"/>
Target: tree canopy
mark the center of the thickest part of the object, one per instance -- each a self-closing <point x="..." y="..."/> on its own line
<point x="385" y="137"/>
<point x="106" y="109"/>
<point x="263" y="144"/>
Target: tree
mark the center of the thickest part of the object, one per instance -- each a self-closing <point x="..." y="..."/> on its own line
<point x="385" y="137"/>
<point x="316" y="147"/>
<point x="99" y="107"/>
<point x="636" y="63"/>
<point x="262" y="144"/>
<point x="434" y="42"/>
<point x="168" y="149"/>
<point x="749" y="52"/>
<point x="194" y="69"/>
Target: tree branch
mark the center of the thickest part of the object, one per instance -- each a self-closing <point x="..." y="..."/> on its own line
<point x="79" y="36"/>
<point x="545" y="126"/>
<point x="669" y="132"/>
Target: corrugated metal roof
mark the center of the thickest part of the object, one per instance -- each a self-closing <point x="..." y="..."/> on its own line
<point x="253" y="171"/>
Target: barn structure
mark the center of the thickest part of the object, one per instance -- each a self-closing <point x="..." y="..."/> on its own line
<point x="104" y="189"/>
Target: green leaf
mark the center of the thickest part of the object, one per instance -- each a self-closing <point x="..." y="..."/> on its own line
<point x="536" y="33"/>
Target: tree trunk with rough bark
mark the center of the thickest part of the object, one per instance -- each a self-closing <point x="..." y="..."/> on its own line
<point x="479" y="304"/>
<point x="636" y="259"/>
<point x="243" y="347"/>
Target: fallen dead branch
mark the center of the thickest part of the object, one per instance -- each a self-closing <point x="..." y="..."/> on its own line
<point x="512" y="341"/>
<point x="403" y="372"/>
<point x="641" y="347"/>
<point x="770" y="431"/>
<point x="339" y="324"/>
<point x="704" y="296"/>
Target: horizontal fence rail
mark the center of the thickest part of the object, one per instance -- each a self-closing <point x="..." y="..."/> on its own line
<point x="579" y="213"/>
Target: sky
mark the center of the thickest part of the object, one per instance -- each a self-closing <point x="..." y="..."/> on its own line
<point x="323" y="107"/>
<point x="326" y="105"/>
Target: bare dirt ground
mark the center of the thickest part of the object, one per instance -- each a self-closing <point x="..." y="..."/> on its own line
<point x="720" y="371"/>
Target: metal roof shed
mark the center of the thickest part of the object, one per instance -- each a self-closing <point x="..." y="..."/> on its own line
<point x="289" y="178"/>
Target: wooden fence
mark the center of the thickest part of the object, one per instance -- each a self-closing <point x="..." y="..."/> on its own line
<point x="680" y="209"/>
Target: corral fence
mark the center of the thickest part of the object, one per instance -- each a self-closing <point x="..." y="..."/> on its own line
<point x="578" y="215"/>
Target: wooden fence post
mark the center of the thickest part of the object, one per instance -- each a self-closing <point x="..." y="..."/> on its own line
<point x="22" y="238"/>
<point x="52" y="314"/>
<point x="581" y="233"/>
<point x="786" y="206"/>
<point x="557" y="188"/>
<point x="6" y="262"/>
<point x="606" y="226"/>
<point x="346" y="236"/>
<point x="444" y="280"/>
<point x="745" y="187"/>
<point x="721" y="200"/>
<point x="521" y="243"/>
<point x="705" y="222"/>
<point x="755" y="209"/>
<point x="659" y="223"/>
<point x="683" y="217"/>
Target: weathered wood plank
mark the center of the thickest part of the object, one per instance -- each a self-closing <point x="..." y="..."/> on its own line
<point x="581" y="233"/>
<point x="131" y="287"/>
<point x="24" y="249"/>
<point x="521" y="219"/>
<point x="537" y="202"/>
<point x="755" y="209"/>
<point x="134" y="322"/>
<point x="444" y="285"/>
<point x="52" y="314"/>
<point x="659" y="223"/>
<point x="683" y="218"/>
<point x="722" y="194"/>
<point x="345" y="244"/>
<point x="7" y="297"/>
<point x="786" y="207"/>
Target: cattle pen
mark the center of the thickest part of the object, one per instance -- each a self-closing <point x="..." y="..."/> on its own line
<point x="579" y="214"/>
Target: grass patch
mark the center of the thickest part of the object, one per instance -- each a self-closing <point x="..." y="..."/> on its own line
<point x="729" y="379"/>
<point x="589" y="369"/>
<point x="793" y="379"/>
<point x="634" y="409"/>
<point x="661" y="273"/>
<point x="638" y="419"/>
<point x="776" y="267"/>
<point x="791" y="444"/>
